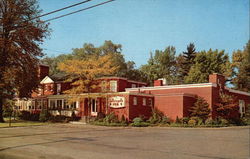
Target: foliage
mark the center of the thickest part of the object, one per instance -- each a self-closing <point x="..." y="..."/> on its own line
<point x="59" y="119"/>
<point x="20" y="38"/>
<point x="206" y="63"/>
<point x="192" y="122"/>
<point x="26" y="115"/>
<point x="44" y="115"/>
<point x="178" y="120"/>
<point x="185" y="61"/>
<point x="138" y="122"/>
<point x="241" y="66"/>
<point x="8" y="107"/>
<point x="200" y="109"/>
<point x="111" y="118"/>
<point x="157" y="117"/>
<point x="226" y="106"/>
<point x="161" y="65"/>
<point x="84" y="74"/>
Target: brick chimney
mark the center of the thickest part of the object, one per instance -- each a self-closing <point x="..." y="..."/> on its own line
<point x="218" y="79"/>
<point x="158" y="83"/>
<point x="43" y="71"/>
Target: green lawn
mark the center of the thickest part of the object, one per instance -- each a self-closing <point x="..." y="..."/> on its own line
<point x="18" y="123"/>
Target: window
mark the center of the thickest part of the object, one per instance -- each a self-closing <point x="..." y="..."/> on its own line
<point x="133" y="85"/>
<point x="150" y="102"/>
<point x="104" y="86"/>
<point x="241" y="107"/>
<point x="134" y="100"/>
<point x="144" y="101"/>
<point x="59" y="104"/>
<point x="52" y="104"/>
<point x="58" y="88"/>
<point x="39" y="104"/>
<point x="113" y="86"/>
<point x="93" y="107"/>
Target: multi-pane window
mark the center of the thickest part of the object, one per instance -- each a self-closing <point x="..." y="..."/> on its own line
<point x="113" y="86"/>
<point x="241" y="107"/>
<point x="133" y="85"/>
<point x="134" y="100"/>
<point x="59" y="104"/>
<point x="58" y="88"/>
<point x="150" y="102"/>
<point x="144" y="101"/>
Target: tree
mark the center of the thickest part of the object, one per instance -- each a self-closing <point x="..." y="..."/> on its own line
<point x="185" y="61"/>
<point x="206" y="63"/>
<point x="200" y="109"/>
<point x="20" y="35"/>
<point x="161" y="65"/>
<point x="226" y="106"/>
<point x="241" y="66"/>
<point x="84" y="73"/>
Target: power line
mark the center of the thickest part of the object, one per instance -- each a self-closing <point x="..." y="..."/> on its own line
<point x="73" y="5"/>
<point x="99" y="4"/>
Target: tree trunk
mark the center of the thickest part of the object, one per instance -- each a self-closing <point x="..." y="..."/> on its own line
<point x="1" y="110"/>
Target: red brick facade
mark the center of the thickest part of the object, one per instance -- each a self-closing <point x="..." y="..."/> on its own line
<point x="130" y="99"/>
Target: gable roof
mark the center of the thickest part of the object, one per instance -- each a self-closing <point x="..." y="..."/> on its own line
<point x="46" y="79"/>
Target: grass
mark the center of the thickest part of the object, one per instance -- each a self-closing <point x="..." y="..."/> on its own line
<point x="20" y="123"/>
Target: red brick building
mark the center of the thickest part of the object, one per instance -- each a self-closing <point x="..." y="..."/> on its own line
<point x="128" y="98"/>
<point x="176" y="100"/>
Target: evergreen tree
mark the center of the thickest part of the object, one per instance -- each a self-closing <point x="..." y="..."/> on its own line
<point x="200" y="109"/>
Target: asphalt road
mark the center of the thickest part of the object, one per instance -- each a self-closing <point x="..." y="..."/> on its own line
<point x="83" y="142"/>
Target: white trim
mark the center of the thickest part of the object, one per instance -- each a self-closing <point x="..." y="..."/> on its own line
<point x="46" y="80"/>
<point x="177" y="94"/>
<point x="237" y="91"/>
<point x="172" y="87"/>
<point x="137" y="82"/>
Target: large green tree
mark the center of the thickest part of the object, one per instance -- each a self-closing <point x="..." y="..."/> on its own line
<point x="20" y="35"/>
<point x="161" y="65"/>
<point x="126" y="68"/>
<point x="206" y="63"/>
<point x="241" y="65"/>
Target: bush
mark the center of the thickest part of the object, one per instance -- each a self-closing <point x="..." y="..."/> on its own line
<point x="59" y="118"/>
<point x="165" y="120"/>
<point x="185" y="120"/>
<point x="111" y="118"/>
<point x="44" y="115"/>
<point x="156" y="117"/>
<point x="138" y="122"/>
<point x="192" y="122"/>
<point x="178" y="120"/>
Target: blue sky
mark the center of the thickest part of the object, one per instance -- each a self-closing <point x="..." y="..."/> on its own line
<point x="142" y="26"/>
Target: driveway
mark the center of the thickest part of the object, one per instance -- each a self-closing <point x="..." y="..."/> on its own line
<point x="68" y="141"/>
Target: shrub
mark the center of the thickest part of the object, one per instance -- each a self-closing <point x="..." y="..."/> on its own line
<point x="185" y="120"/>
<point x="192" y="122"/>
<point x="44" y="115"/>
<point x="138" y="122"/>
<point x="156" y="117"/>
<point x="25" y="115"/>
<point x="59" y="118"/>
<point x="198" y="120"/>
<point x="209" y="121"/>
<point x="111" y="118"/>
<point x="165" y="120"/>
<point x="178" y="120"/>
<point x="200" y="109"/>
<point x="224" y="122"/>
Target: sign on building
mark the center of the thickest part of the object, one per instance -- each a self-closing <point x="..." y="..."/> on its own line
<point x="117" y="102"/>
